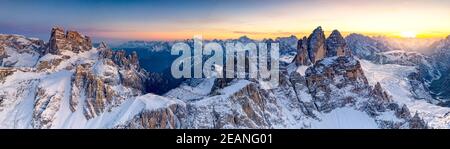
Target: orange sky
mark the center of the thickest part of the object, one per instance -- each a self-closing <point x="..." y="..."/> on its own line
<point x="258" y="19"/>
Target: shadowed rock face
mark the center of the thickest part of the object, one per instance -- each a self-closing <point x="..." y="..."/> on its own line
<point x="13" y="49"/>
<point x="98" y="88"/>
<point x="336" y="82"/>
<point x="170" y="117"/>
<point x="70" y="41"/>
<point x="441" y="56"/>
<point x="20" y="43"/>
<point x="316" y="45"/>
<point x="330" y="75"/>
<point x="378" y="92"/>
<point x="103" y="85"/>
<point x="4" y="73"/>
<point x="302" y="52"/>
<point x="131" y="75"/>
<point x="98" y="95"/>
<point x="336" y="45"/>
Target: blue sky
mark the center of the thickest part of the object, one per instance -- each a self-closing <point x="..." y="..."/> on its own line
<point x="35" y="18"/>
<point x="177" y="19"/>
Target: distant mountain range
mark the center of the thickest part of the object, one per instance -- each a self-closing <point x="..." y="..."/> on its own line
<point x="325" y="82"/>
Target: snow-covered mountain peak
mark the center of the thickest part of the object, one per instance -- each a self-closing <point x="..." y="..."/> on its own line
<point x="71" y="84"/>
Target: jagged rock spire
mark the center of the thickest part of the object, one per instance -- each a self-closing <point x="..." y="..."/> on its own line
<point x="55" y="42"/>
<point x="302" y="52"/>
<point x="379" y="93"/>
<point x="134" y="59"/>
<point x="335" y="44"/>
<point x="102" y="45"/>
<point x="311" y="49"/>
<point x="316" y="45"/>
<point x="417" y="123"/>
<point x="70" y="41"/>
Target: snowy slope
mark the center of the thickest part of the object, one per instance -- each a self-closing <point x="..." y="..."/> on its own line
<point x="19" y="51"/>
<point x="21" y="108"/>
<point x="394" y="79"/>
<point x="101" y="88"/>
<point x="345" y="118"/>
<point x="122" y="114"/>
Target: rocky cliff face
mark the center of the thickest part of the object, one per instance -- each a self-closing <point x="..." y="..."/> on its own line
<point x="302" y="57"/>
<point x="18" y="51"/>
<point x="69" y="41"/>
<point x="301" y="101"/>
<point x="241" y="109"/>
<point x="440" y="51"/>
<point x="337" y="82"/>
<point x="379" y="93"/>
<point x="440" y="55"/>
<point x="72" y="85"/>
<point x="4" y="72"/>
<point x="66" y="79"/>
<point x="98" y="82"/>
<point x="317" y="47"/>
<point x="162" y="113"/>
<point x="330" y="75"/>
<point x="131" y="75"/>
<point x="336" y="45"/>
<point x="20" y="43"/>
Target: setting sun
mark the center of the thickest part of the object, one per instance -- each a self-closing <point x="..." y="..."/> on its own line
<point x="408" y="34"/>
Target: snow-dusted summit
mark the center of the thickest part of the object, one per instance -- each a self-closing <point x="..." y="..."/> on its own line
<point x="68" y="83"/>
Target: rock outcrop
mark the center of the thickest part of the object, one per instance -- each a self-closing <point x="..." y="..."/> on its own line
<point x="131" y="75"/>
<point x="44" y="106"/>
<point x="419" y="89"/>
<point x="337" y="82"/>
<point x="439" y="53"/>
<point x="16" y="50"/>
<point x="302" y="57"/>
<point x="417" y="123"/>
<point x="170" y="117"/>
<point x="96" y="82"/>
<point x="50" y="64"/>
<point x="379" y="93"/>
<point x="69" y="41"/>
<point x="97" y="94"/>
<point x="153" y="111"/>
<point x="244" y="108"/>
<point x="336" y="45"/>
<point x="4" y="73"/>
<point x="101" y="88"/>
<point x="20" y="43"/>
<point x="316" y="45"/>
<point x="327" y="77"/>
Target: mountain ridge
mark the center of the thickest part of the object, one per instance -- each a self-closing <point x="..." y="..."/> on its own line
<point x="74" y="85"/>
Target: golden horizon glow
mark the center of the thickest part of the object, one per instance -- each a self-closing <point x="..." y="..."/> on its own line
<point x="258" y="36"/>
<point x="408" y="34"/>
<point x="398" y="19"/>
<point x="178" y="20"/>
